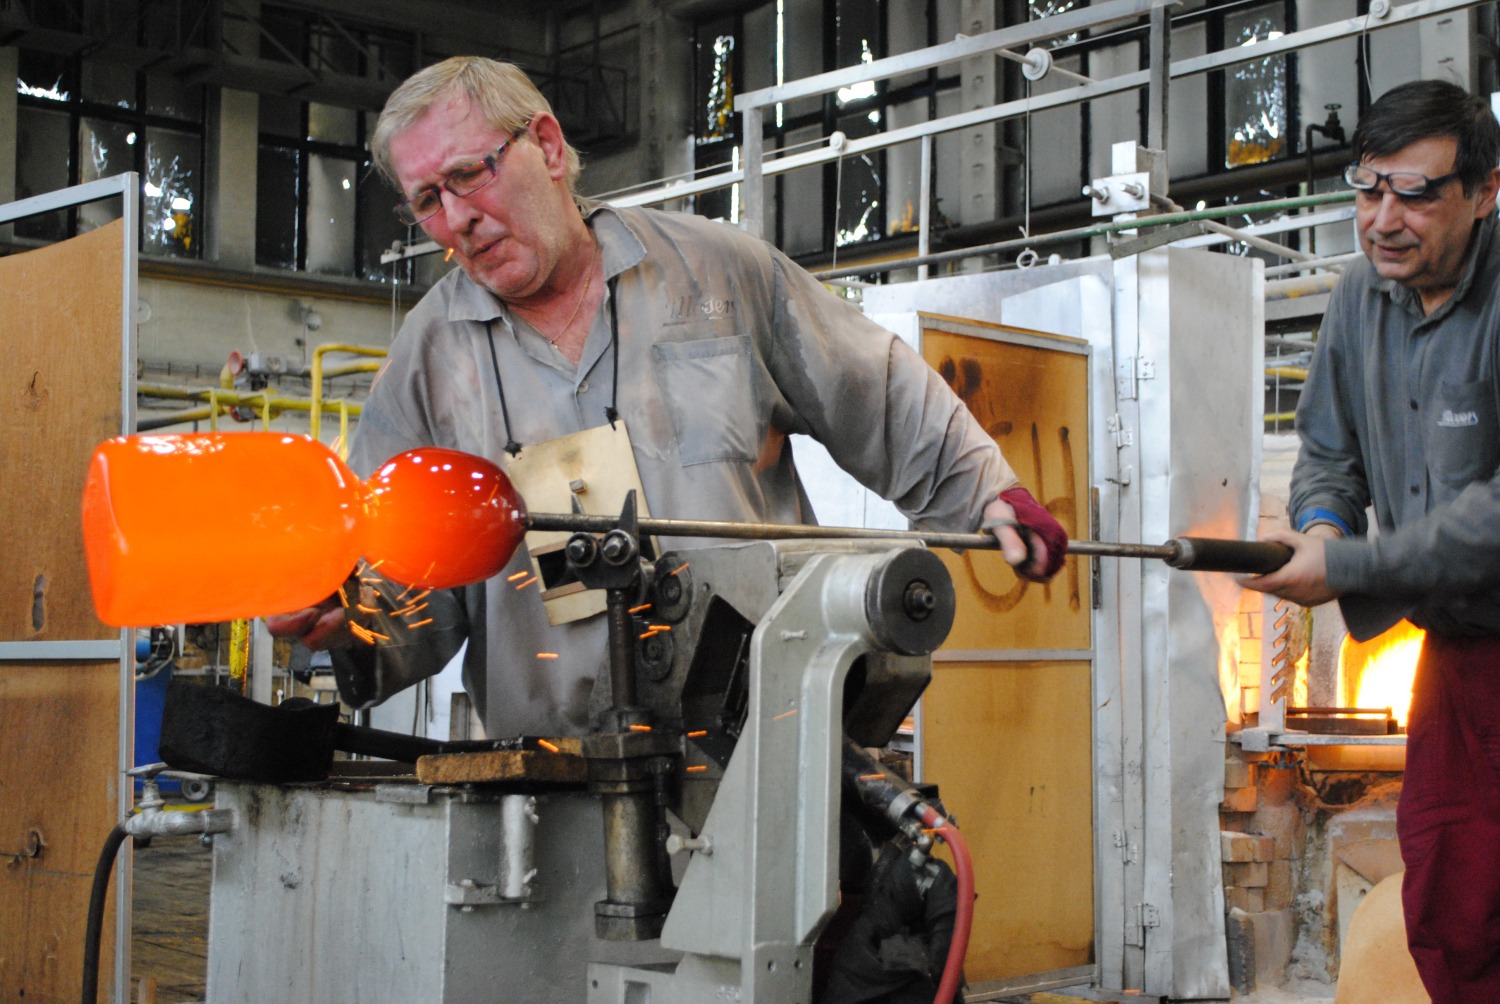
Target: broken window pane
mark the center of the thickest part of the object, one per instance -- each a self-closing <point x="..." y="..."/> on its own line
<point x="859" y="184"/>
<point x="1039" y="9"/>
<point x="716" y="76"/>
<point x="43" y="75"/>
<point x="105" y="149"/>
<point x="172" y="210"/>
<point x="1255" y="93"/>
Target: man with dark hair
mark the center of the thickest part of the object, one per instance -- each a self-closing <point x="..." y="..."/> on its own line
<point x="1401" y="410"/>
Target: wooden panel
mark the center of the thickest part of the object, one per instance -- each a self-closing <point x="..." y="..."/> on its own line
<point x="59" y="722"/>
<point x="61" y="369"/>
<point x="1011" y="756"/>
<point x="1010" y="743"/>
<point x="1034" y="402"/>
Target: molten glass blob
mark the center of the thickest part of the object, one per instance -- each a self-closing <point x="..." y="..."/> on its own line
<point x="197" y="528"/>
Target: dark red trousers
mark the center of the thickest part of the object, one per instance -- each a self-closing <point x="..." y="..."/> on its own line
<point x="1448" y="820"/>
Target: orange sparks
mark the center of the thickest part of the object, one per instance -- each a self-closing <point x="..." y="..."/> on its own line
<point x="365" y="635"/>
<point x="343" y="597"/>
<point x="698" y="734"/>
<point x="697" y="768"/>
<point x="516" y="575"/>
<point x="546" y="655"/>
<point x="636" y="610"/>
<point x="366" y="610"/>
<point x="448" y="257"/>
<point x="659" y="628"/>
<point x="640" y="728"/>
<point x="523" y="585"/>
<point x="549" y="747"/>
<point x="417" y="624"/>
<point x="681" y="568"/>
<point x="784" y="714"/>
<point x="872" y="777"/>
<point x="375" y="564"/>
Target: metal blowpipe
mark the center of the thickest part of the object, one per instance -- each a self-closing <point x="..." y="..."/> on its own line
<point x="1198" y="554"/>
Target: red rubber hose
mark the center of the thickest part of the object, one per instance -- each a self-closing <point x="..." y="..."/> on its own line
<point x="964" y="867"/>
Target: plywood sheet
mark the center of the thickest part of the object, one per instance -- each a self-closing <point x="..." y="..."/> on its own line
<point x="60" y="386"/>
<point x="1011" y="756"/>
<point x="60" y="365"/>
<point x="1008" y="739"/>
<point x="1034" y="403"/>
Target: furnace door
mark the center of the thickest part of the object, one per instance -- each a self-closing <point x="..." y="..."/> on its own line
<point x="1005" y="729"/>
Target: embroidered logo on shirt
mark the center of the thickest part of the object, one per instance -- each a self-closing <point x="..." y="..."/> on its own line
<point x="1458" y="419"/>
<point x="685" y="308"/>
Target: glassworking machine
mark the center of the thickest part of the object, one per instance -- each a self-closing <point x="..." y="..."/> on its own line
<point x="690" y="852"/>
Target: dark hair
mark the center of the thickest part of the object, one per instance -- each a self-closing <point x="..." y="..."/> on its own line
<point x="1427" y="108"/>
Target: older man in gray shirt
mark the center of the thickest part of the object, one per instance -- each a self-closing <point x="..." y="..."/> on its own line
<point x="1401" y="411"/>
<point x="688" y="348"/>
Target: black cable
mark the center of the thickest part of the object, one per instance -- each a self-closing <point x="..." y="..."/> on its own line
<point x="614" y="340"/>
<point x="511" y="446"/>
<point x="93" y="932"/>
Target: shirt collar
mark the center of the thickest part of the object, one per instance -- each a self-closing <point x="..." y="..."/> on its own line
<point x="619" y="249"/>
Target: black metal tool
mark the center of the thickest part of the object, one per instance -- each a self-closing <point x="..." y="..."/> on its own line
<point x="214" y="730"/>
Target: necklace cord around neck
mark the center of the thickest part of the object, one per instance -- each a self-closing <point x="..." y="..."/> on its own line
<point x="588" y="280"/>
<point x="610" y="413"/>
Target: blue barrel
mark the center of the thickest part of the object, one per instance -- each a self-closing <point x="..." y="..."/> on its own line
<point x="150" y="698"/>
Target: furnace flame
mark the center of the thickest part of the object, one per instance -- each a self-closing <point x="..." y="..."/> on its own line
<point x="1378" y="673"/>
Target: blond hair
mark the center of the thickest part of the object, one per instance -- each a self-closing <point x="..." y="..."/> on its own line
<point x="502" y="92"/>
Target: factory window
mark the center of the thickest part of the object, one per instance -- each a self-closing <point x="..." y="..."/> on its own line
<point x="82" y="120"/>
<point x="320" y="204"/>
<point x="716" y="130"/>
<point x="840" y="204"/>
<point x="311" y="175"/>
<point x="1255" y="93"/>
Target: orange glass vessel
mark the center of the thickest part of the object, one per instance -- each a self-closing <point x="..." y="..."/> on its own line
<point x="204" y="527"/>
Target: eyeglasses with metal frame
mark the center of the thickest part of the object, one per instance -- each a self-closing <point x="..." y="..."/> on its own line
<point x="1407" y="184"/>
<point x="465" y="179"/>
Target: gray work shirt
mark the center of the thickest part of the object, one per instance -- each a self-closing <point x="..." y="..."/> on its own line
<point x="1402" y="410"/>
<point x="725" y="347"/>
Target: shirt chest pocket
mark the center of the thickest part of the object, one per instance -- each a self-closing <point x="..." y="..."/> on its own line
<point x="707" y="386"/>
<point x="1463" y="441"/>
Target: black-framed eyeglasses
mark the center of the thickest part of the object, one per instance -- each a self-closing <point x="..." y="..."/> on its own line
<point x="1407" y="184"/>
<point x="465" y="179"/>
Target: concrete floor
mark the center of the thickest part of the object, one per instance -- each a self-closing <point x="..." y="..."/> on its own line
<point x="170" y="955"/>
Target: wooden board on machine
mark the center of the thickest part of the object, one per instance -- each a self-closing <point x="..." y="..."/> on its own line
<point x="565" y="766"/>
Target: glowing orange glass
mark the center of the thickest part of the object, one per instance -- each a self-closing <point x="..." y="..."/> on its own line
<point x="209" y="527"/>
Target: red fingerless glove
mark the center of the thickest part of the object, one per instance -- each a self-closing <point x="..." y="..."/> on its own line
<point x="1035" y="519"/>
